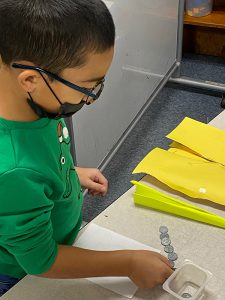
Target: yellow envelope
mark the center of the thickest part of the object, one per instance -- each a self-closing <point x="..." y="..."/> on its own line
<point x="203" y="139"/>
<point x="183" y="150"/>
<point x="197" y="178"/>
<point x="185" y="153"/>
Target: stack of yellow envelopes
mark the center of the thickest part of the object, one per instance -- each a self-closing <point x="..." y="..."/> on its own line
<point x="194" y="165"/>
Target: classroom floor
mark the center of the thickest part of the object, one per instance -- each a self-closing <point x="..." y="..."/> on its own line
<point x="167" y="110"/>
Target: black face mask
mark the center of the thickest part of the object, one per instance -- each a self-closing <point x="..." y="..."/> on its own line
<point x="66" y="109"/>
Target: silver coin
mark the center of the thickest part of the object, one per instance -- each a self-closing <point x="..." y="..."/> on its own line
<point x="172" y="263"/>
<point x="186" y="295"/>
<point x="172" y="256"/>
<point x="169" y="249"/>
<point x="163" y="229"/>
<point x="165" y="242"/>
<point x="164" y="235"/>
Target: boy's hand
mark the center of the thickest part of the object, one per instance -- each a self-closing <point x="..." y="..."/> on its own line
<point x="93" y="180"/>
<point x="149" y="269"/>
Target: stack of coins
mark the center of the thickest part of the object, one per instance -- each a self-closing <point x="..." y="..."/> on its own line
<point x="168" y="248"/>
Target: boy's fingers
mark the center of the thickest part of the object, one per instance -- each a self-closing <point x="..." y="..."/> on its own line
<point x="165" y="275"/>
<point x="104" y="188"/>
<point x="93" y="192"/>
<point x="164" y="259"/>
<point x="168" y="272"/>
<point x="96" y="187"/>
<point x="101" y="179"/>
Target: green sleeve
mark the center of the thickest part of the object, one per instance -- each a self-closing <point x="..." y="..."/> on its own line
<point x="25" y="219"/>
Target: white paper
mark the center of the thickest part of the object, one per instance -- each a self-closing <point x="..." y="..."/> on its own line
<point x="99" y="238"/>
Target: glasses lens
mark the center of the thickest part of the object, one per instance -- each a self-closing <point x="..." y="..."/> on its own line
<point x="97" y="91"/>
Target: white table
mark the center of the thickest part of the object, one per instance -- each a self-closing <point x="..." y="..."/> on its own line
<point x="198" y="242"/>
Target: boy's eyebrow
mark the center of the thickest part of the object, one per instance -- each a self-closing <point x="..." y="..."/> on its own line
<point x="94" y="79"/>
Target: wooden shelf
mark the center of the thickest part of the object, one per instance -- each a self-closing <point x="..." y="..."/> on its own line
<point x="206" y="35"/>
<point x="215" y="20"/>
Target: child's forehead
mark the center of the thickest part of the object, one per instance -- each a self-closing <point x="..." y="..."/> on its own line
<point x="94" y="69"/>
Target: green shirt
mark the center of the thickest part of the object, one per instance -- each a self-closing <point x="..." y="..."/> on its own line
<point x="40" y="195"/>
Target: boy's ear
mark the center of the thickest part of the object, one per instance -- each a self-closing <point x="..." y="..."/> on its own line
<point x="28" y="80"/>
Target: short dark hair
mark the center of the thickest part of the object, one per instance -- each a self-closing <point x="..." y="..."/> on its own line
<point x="54" y="34"/>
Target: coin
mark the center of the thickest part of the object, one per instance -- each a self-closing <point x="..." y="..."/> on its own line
<point x="169" y="249"/>
<point x="186" y="295"/>
<point x="164" y="235"/>
<point x="165" y="242"/>
<point x="172" y="263"/>
<point x="163" y="229"/>
<point x="172" y="256"/>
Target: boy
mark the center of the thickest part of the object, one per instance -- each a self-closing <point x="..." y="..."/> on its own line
<point x="54" y="56"/>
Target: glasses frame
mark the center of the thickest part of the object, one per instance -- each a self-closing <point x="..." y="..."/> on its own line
<point x="88" y="92"/>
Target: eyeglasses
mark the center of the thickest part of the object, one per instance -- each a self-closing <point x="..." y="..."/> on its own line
<point x="91" y="94"/>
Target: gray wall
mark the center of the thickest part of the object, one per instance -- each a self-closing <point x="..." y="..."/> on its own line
<point x="146" y="46"/>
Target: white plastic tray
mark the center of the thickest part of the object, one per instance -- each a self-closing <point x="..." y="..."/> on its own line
<point x="189" y="278"/>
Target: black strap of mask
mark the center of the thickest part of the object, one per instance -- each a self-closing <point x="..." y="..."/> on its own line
<point x="50" y="88"/>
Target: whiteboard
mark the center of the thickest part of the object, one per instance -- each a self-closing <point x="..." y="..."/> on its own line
<point x="145" y="50"/>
